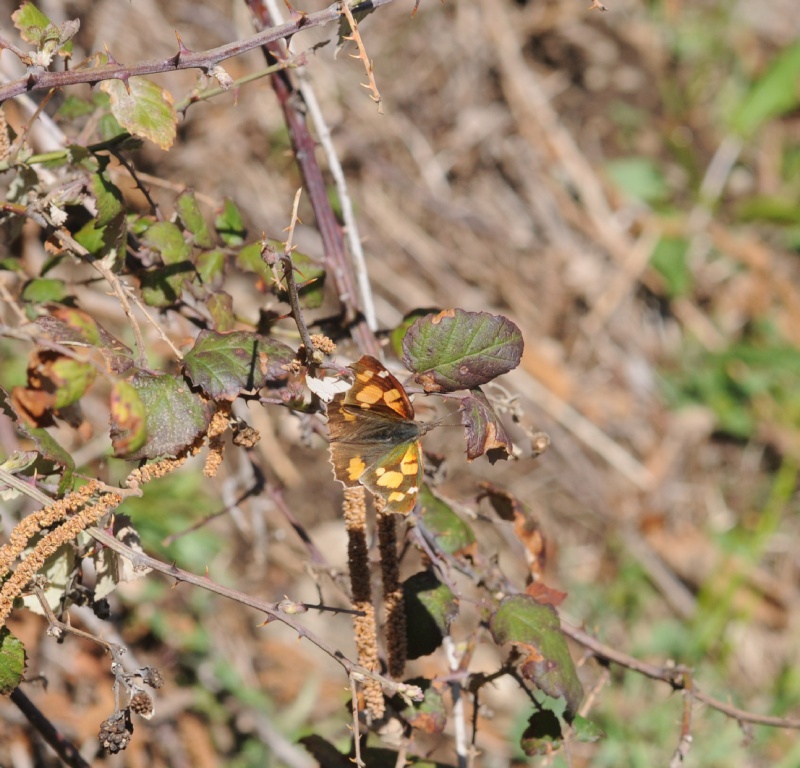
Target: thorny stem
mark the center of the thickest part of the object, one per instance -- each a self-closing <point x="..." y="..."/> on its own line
<point x="679" y="677"/>
<point x="273" y="610"/>
<point x="183" y="59"/>
<point x="304" y="146"/>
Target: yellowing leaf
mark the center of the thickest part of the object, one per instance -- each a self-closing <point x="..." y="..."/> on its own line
<point x="147" y="111"/>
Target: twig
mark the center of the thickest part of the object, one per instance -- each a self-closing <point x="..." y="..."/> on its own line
<point x="183" y="59"/>
<point x="273" y="610"/>
<point x="5" y="294"/>
<point x="123" y="161"/>
<point x="63" y="748"/>
<point x="291" y="286"/>
<point x="18" y="52"/>
<point x="68" y="241"/>
<point x="685" y="742"/>
<point x="210" y="93"/>
<point x="362" y="55"/>
<point x="141" y="307"/>
<point x="58" y="627"/>
<point x="675" y="676"/>
<point x="459" y="713"/>
<point x="356" y="727"/>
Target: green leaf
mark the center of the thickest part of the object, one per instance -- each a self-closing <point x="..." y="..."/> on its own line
<point x="40" y="290"/>
<point x="430" y="608"/>
<point x="451" y="534"/>
<point x="210" y="266"/>
<point x="18" y="462"/>
<point x="310" y="276"/>
<point x="220" y="307"/>
<point x="226" y="364"/>
<point x="669" y="260"/>
<point x="586" y="731"/>
<point x="543" y="734"/>
<point x="67" y="325"/>
<point x="146" y="111"/>
<point x="639" y="178"/>
<point x="248" y="259"/>
<point x="192" y="218"/>
<point x="128" y="418"/>
<point x="230" y="225"/>
<point x="396" y="336"/>
<point x="30" y="22"/>
<point x="48" y="447"/>
<point x="108" y="198"/>
<point x="484" y="431"/>
<point x="428" y="715"/>
<point x="12" y="661"/>
<point x="46" y="444"/>
<point x="461" y="350"/>
<point x="109" y="129"/>
<point x="775" y="93"/>
<point x="74" y="107"/>
<point x="535" y="632"/>
<point x="175" y="415"/>
<point x="161" y="287"/>
<point x="775" y="209"/>
<point x="167" y="238"/>
<point x="72" y="378"/>
<point x="107" y="231"/>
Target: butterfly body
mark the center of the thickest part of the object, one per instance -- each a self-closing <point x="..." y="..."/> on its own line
<point x="374" y="438"/>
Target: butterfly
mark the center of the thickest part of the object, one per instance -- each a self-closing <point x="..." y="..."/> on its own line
<point x="374" y="439"/>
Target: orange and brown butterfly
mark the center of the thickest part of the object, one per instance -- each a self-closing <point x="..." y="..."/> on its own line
<point x="374" y="438"/>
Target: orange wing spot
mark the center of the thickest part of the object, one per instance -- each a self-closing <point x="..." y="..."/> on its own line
<point x="390" y="479"/>
<point x="391" y="396"/>
<point x="369" y="395"/>
<point x="409" y="465"/>
<point x="355" y="468"/>
<point x="395" y="496"/>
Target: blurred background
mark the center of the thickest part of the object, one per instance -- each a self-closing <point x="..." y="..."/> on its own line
<point x="625" y="186"/>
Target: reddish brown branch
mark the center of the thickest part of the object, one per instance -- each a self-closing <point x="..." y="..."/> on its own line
<point x="183" y="59"/>
<point x="336" y="259"/>
<point x="678" y="677"/>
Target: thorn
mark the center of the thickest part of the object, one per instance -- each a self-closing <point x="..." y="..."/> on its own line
<point x="111" y="59"/>
<point x="297" y="16"/>
<point x="181" y="47"/>
<point x="125" y="79"/>
<point x="416" y="8"/>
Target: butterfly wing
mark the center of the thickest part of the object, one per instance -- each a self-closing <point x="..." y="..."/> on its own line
<point x="374" y="440"/>
<point x="377" y="391"/>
